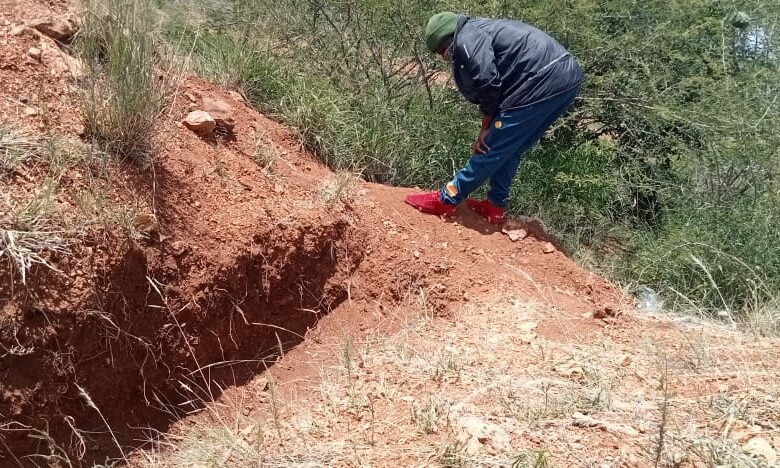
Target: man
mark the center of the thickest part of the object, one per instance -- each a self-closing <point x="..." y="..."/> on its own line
<point x="522" y="79"/>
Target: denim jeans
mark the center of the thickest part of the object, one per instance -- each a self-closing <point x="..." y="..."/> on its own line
<point x="512" y="133"/>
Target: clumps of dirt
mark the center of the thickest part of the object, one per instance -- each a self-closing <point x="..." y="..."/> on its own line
<point x="229" y="269"/>
<point x="37" y="90"/>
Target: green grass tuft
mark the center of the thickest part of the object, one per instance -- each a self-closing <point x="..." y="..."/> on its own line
<point x="122" y="91"/>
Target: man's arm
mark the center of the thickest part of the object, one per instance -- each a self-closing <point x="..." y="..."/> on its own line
<point x="481" y="62"/>
<point x="477" y="55"/>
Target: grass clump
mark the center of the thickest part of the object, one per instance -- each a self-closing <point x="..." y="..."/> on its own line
<point x="37" y="224"/>
<point x="338" y="187"/>
<point x="15" y="150"/>
<point x="122" y="91"/>
<point x="29" y="231"/>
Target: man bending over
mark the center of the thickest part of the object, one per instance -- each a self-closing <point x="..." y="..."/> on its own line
<point x="522" y="80"/>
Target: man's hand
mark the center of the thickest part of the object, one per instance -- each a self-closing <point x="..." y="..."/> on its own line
<point x="480" y="146"/>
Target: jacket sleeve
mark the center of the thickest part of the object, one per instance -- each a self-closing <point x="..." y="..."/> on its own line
<point x="481" y="64"/>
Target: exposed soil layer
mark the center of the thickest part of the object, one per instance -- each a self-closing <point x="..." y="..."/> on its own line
<point x="223" y="276"/>
<point x="236" y="264"/>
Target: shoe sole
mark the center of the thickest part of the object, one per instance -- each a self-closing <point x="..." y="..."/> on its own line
<point x="422" y="210"/>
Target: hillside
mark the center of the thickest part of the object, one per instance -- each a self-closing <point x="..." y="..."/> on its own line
<point x="236" y="303"/>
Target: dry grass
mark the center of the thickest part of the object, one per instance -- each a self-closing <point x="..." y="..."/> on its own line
<point x="54" y="192"/>
<point x="266" y="152"/>
<point x="123" y="93"/>
<point x="30" y="230"/>
<point x="338" y="187"/>
<point x="15" y="150"/>
<point x="658" y="392"/>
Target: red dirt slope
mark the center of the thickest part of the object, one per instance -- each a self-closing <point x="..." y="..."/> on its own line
<point x="219" y="261"/>
<point x="239" y="262"/>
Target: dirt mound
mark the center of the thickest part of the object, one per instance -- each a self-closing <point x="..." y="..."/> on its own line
<point x="237" y="243"/>
<point x="240" y="259"/>
<point x="228" y="272"/>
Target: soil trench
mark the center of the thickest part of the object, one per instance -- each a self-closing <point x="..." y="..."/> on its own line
<point x="151" y="346"/>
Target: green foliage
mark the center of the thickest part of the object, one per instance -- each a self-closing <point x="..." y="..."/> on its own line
<point x="666" y="168"/>
<point x="122" y="91"/>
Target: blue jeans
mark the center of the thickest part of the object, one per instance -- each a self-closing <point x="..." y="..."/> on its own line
<point x="512" y="133"/>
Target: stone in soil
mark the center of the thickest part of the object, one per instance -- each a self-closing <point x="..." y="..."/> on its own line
<point x="200" y="122"/>
<point x="221" y="111"/>
<point x="59" y="29"/>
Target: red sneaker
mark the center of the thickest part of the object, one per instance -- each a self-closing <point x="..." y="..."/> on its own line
<point x="493" y="213"/>
<point x="430" y="203"/>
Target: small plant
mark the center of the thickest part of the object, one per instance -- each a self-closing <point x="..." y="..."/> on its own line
<point x="446" y="367"/>
<point x="338" y="187"/>
<point x="15" y="149"/>
<point x="426" y="417"/>
<point x="664" y="409"/>
<point x="122" y="94"/>
<point x="30" y="230"/>
<point x="534" y="459"/>
<point x="452" y="455"/>
<point x="265" y="154"/>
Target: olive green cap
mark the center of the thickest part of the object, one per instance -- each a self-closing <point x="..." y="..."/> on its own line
<point x="440" y="27"/>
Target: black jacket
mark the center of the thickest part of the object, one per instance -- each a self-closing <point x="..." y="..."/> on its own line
<point x="503" y="64"/>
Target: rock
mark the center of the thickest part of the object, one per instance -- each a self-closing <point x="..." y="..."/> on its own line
<point x="35" y="53"/>
<point x="146" y="223"/>
<point x="526" y="337"/>
<point x="527" y="326"/>
<point x="570" y="370"/>
<point x="581" y="420"/>
<point x="178" y="248"/>
<point x="237" y="96"/>
<point x="19" y="30"/>
<point x="59" y="29"/>
<point x="761" y="447"/>
<point x="625" y="360"/>
<point x="59" y="61"/>
<point x="200" y="122"/>
<point x="548" y="248"/>
<point x="513" y="229"/>
<point x="221" y="111"/>
<point x="30" y="111"/>
<point x="476" y="432"/>
<point x="606" y="311"/>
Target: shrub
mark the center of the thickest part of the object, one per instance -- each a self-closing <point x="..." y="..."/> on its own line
<point x="122" y="91"/>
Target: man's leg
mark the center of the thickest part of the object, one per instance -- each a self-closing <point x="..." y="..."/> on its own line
<point x="548" y="112"/>
<point x="508" y="134"/>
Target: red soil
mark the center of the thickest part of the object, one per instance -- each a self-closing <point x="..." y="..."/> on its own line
<point x="243" y="262"/>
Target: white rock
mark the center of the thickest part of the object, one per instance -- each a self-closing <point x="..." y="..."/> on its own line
<point x="570" y="370"/>
<point x="35" y="53"/>
<point x="59" y="29"/>
<point x="761" y="447"/>
<point x="221" y="111"/>
<point x="475" y="431"/>
<point x="200" y="122"/>
<point x="625" y="360"/>
<point x="514" y="230"/>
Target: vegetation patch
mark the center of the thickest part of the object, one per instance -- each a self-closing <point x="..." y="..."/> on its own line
<point x="664" y="174"/>
<point x="123" y="87"/>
